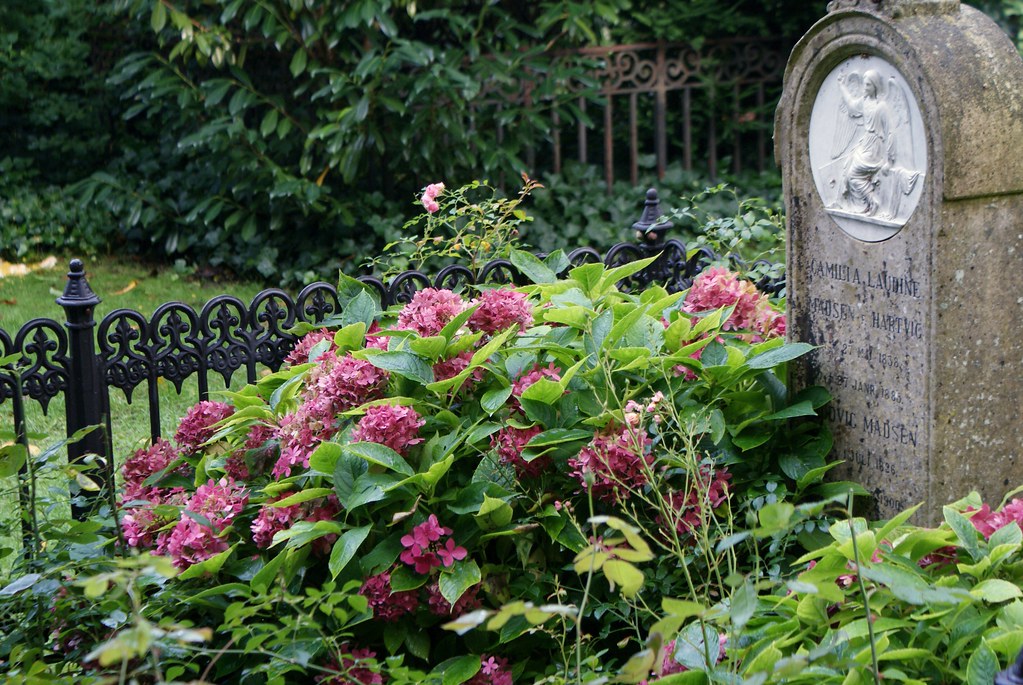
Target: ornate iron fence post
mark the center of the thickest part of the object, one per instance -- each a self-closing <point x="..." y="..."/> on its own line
<point x="650" y="232"/>
<point x="85" y="399"/>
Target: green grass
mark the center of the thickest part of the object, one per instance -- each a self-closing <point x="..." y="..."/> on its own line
<point x="120" y="283"/>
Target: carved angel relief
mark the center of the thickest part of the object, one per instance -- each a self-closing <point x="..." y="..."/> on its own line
<point x="867" y="148"/>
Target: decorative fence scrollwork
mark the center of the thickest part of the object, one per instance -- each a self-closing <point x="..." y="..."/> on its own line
<point x="128" y="351"/>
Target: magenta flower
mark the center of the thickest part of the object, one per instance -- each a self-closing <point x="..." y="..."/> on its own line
<point x="987" y="521"/>
<point x="353" y="669"/>
<point x="423" y="548"/>
<point x="199" y="425"/>
<point x="450" y="553"/>
<point x="615" y="462"/>
<point x="300" y="355"/>
<point x="708" y="490"/>
<point x="143" y="464"/>
<point x="509" y="442"/>
<point x="501" y="309"/>
<point x="439" y="606"/>
<point x="191" y="541"/>
<point x="429" y="311"/>
<point x="386" y="604"/>
<point x="394" y="426"/>
<point x="718" y="287"/>
<point x="493" y="671"/>
<point x="533" y="375"/>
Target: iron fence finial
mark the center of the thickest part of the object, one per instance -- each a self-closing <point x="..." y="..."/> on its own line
<point x="648" y="230"/>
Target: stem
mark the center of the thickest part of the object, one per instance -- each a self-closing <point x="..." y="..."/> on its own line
<point x="863" y="593"/>
<point x="582" y="605"/>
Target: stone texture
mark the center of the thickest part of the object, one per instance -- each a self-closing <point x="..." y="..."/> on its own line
<point x="920" y="334"/>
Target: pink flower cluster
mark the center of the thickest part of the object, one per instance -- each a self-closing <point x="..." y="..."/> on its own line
<point x="708" y="489"/>
<point x="429" y="311"/>
<point x="335" y="385"/>
<point x="718" y="287"/>
<point x="198" y="425"/>
<point x="272" y="520"/>
<point x="140" y="523"/>
<point x="533" y="375"/>
<point x="386" y="604"/>
<point x="439" y="606"/>
<point x="424" y="550"/>
<point x="509" y="443"/>
<point x="304" y="347"/>
<point x="635" y="412"/>
<point x="493" y="671"/>
<point x="191" y="541"/>
<point x="987" y="521"/>
<point x="616" y="461"/>
<point x="429" y="198"/>
<point x="396" y="427"/>
<point x="353" y="669"/>
<point x="500" y="309"/>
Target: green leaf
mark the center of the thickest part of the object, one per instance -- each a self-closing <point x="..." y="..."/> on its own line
<point x="303" y="532"/>
<point x="964" y="530"/>
<point x="298" y="62"/>
<point x="456" y="670"/>
<point x="324" y="457"/>
<point x="791" y="412"/>
<point x="982" y="667"/>
<point x="532" y="268"/>
<point x="558" y="436"/>
<point x="159" y="17"/>
<point x="459" y="578"/>
<point x="545" y="390"/>
<point x="405" y="364"/>
<point x="404" y="579"/>
<point x="431" y="347"/>
<point x="360" y="309"/>
<point x="211" y="565"/>
<point x="996" y="590"/>
<point x="624" y="574"/>
<point x="12" y="458"/>
<point x="778" y="355"/>
<point x="911" y="587"/>
<point x="493" y="513"/>
<point x="495" y="398"/>
<point x="303" y="496"/>
<point x="744" y="603"/>
<point x="260" y="582"/>
<point x="381" y="455"/>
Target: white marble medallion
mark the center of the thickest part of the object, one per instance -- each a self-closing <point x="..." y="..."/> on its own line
<point x="868" y="149"/>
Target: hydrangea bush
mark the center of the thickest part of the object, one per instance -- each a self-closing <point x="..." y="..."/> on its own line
<point x="471" y="453"/>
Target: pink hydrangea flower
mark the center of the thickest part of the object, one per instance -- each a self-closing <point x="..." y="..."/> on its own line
<point x="615" y="462"/>
<point x="509" y="443"/>
<point x="424" y="549"/>
<point x="493" y="671"/>
<point x="305" y="345"/>
<point x="198" y="425"/>
<point x="272" y="520"/>
<point x="718" y="287"/>
<point x="353" y="669"/>
<point x="987" y="521"/>
<point x="501" y="309"/>
<point x="190" y="541"/>
<point x="533" y="375"/>
<point x="386" y="604"/>
<point x="439" y="606"/>
<point x="396" y="427"/>
<point x="143" y="464"/>
<point x="429" y="311"/>
<point x="709" y="489"/>
<point x="335" y="385"/>
<point x="429" y="197"/>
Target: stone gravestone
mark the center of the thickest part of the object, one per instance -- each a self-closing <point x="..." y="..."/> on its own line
<point x="900" y="138"/>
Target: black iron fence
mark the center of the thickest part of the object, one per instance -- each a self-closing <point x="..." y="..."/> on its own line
<point x="84" y="360"/>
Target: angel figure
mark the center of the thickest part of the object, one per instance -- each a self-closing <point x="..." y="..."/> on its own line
<point x="873" y="143"/>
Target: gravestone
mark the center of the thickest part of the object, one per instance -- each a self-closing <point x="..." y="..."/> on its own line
<point x="900" y="138"/>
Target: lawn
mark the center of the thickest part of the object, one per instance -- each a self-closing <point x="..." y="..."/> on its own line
<point x="121" y="284"/>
